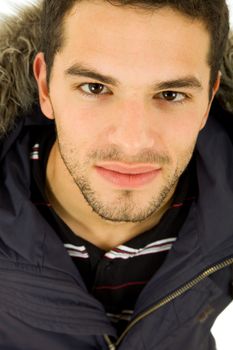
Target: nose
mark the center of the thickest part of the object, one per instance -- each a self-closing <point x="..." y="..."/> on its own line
<point x="133" y="128"/>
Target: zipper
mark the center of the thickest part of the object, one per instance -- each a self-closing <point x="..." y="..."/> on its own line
<point x="189" y="285"/>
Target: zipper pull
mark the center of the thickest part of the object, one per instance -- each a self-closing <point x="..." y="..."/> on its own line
<point x="111" y="346"/>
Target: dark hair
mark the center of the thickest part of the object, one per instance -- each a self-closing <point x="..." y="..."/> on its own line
<point x="213" y="13"/>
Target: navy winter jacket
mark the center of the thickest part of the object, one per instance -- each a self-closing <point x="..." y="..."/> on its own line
<point x="44" y="303"/>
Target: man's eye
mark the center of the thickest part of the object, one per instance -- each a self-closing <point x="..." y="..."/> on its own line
<point x="172" y="96"/>
<point x="94" y="89"/>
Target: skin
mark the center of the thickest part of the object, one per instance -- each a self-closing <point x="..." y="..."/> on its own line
<point x="135" y="121"/>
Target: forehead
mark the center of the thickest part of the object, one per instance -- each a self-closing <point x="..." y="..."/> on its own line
<point x="100" y="33"/>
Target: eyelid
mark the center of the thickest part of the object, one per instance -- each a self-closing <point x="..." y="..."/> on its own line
<point x="89" y="94"/>
<point x="182" y="100"/>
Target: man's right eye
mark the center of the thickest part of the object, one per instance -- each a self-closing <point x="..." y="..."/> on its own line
<point x="93" y="89"/>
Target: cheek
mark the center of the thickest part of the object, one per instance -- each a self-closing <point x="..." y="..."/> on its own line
<point x="80" y="128"/>
<point x="182" y="133"/>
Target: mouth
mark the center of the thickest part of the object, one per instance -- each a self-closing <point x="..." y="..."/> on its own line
<point x="127" y="176"/>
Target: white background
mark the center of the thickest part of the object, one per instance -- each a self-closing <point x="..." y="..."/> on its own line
<point x="223" y="328"/>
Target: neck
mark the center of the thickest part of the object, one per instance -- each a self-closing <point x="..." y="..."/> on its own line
<point x="70" y="205"/>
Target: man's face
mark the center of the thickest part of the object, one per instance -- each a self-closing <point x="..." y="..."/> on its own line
<point x="126" y="140"/>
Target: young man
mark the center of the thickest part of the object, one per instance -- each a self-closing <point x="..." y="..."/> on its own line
<point x="116" y="220"/>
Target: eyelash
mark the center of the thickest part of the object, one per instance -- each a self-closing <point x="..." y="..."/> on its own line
<point x="96" y="96"/>
<point x="91" y="95"/>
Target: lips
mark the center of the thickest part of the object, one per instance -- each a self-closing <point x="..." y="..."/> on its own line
<point x="125" y="176"/>
<point x="134" y="169"/>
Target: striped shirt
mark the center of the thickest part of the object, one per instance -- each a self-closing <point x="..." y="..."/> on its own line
<point x="115" y="277"/>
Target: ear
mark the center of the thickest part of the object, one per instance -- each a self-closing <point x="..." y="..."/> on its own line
<point x="40" y="73"/>
<point x="216" y="86"/>
<point x="214" y="91"/>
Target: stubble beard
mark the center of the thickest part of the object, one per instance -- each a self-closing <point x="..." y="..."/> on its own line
<point x="125" y="208"/>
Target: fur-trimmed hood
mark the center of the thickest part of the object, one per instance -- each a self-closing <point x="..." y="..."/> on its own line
<point x="19" y="43"/>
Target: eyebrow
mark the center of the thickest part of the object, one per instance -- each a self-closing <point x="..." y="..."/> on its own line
<point x="183" y="82"/>
<point x="82" y="71"/>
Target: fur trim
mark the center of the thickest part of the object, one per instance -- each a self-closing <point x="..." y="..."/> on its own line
<point x="19" y="43"/>
<point x="225" y="94"/>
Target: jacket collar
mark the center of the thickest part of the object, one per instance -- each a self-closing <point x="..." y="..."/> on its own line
<point x="204" y="240"/>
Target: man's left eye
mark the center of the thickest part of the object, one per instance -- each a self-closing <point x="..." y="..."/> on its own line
<point x="172" y="96"/>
